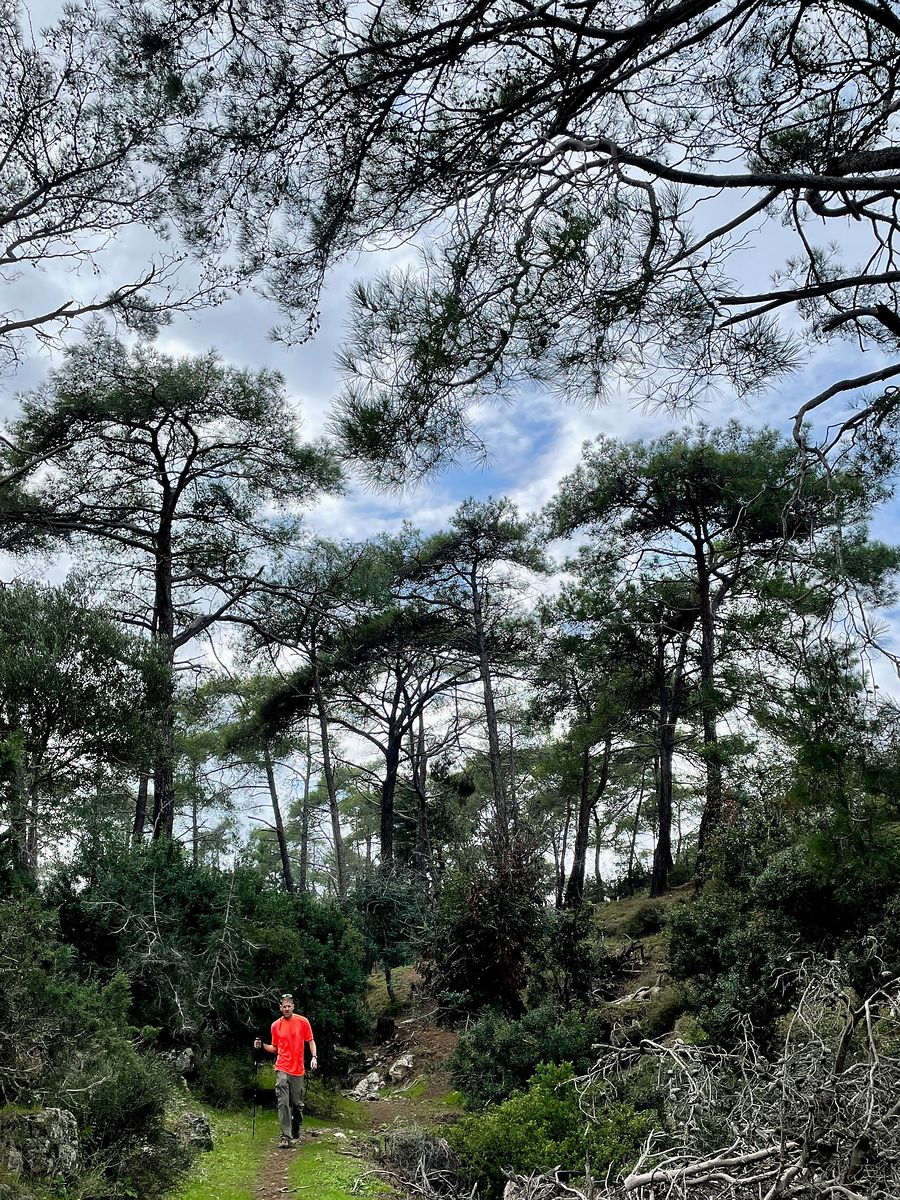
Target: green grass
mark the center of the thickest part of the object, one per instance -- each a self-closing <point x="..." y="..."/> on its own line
<point x="414" y="1090"/>
<point x="402" y="979"/>
<point x="228" y="1172"/>
<point x="322" y="1172"/>
<point x="328" y="1105"/>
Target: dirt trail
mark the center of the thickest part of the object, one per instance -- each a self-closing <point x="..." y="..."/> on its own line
<point x="272" y="1181"/>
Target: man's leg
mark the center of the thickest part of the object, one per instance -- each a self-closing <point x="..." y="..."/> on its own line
<point x="298" y="1100"/>
<point x="283" y="1101"/>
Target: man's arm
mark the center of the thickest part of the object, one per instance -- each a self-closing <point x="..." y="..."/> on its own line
<point x="269" y="1047"/>
<point x="314" y="1061"/>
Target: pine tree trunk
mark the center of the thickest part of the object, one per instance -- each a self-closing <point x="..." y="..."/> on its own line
<point x="164" y="638"/>
<point x="286" y="872"/>
<point x="340" y="858"/>
<point x="422" y="856"/>
<point x="304" y="818"/>
<point x="669" y="692"/>
<point x="388" y="791"/>
<point x="140" y="808"/>
<point x="586" y="802"/>
<point x="712" y="808"/>
<point x="502" y="825"/>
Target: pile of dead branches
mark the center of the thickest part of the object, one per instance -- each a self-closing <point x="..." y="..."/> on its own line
<point x="421" y="1163"/>
<point x="819" y="1119"/>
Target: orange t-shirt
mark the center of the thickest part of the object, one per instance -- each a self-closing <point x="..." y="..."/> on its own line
<point x="289" y="1037"/>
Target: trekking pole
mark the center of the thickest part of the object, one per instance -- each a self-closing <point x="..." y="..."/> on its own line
<point x="255" y="1089"/>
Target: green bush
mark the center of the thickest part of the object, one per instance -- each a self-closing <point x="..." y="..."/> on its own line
<point x="118" y="1093"/>
<point x="227" y="1080"/>
<point x="570" y="961"/>
<point x="218" y="937"/>
<point x="68" y="1043"/>
<point x="499" y="1055"/>
<point x="488" y="925"/>
<point x="543" y="1127"/>
<point x="147" y="1169"/>
<point x="309" y="948"/>
<point x="734" y="943"/>
<point x="663" y="1011"/>
<point x="734" y="957"/>
<point x="646" y="918"/>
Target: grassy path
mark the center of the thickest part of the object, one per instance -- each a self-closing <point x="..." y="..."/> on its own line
<point x="324" y="1167"/>
<point x="230" y="1170"/>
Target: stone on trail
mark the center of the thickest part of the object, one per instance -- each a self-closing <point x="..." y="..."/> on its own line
<point x="368" y="1087"/>
<point x="402" y="1069"/>
<point x="194" y="1132"/>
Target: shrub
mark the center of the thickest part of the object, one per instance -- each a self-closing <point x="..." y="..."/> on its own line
<point x="225" y="946"/>
<point x="308" y="947"/>
<point x="487" y="926"/>
<point x="543" y="1127"/>
<point x="734" y="956"/>
<point x="69" y="1044"/>
<point x="148" y="1169"/>
<point x="734" y="941"/>
<point x="389" y="911"/>
<point x="116" y="1094"/>
<point x="226" y="1080"/>
<point x="570" y="962"/>
<point x="663" y="1011"/>
<point x="499" y="1055"/>
<point x="646" y="918"/>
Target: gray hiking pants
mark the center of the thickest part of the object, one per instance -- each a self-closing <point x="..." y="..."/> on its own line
<point x="290" y="1095"/>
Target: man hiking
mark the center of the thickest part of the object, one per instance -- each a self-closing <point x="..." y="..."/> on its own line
<point x="290" y="1033"/>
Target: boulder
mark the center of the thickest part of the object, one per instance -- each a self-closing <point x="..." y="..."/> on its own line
<point x="368" y="1087"/>
<point x="40" y="1145"/>
<point x="402" y="1069"/>
<point x="193" y="1132"/>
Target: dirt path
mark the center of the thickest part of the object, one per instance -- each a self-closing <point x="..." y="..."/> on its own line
<point x="272" y="1182"/>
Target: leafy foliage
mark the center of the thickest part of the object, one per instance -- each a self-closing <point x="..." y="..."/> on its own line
<point x="544" y="1127"/>
<point x="72" y="1040"/>
<point x="210" y="950"/>
<point x="487" y="923"/>
<point x="498" y="1055"/>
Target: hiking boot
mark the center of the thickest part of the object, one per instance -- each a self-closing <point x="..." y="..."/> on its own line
<point x="284" y="1143"/>
<point x="296" y="1122"/>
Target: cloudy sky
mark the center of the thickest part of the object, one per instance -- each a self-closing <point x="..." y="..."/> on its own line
<point x="532" y="442"/>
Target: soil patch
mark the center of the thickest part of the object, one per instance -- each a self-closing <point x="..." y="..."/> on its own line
<point x="272" y="1181"/>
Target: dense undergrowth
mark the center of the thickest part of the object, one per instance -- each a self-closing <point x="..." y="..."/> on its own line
<point x="126" y="962"/>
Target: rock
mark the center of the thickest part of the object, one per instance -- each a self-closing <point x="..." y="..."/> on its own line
<point x="402" y="1069"/>
<point x="40" y="1145"/>
<point x="368" y="1087"/>
<point x="193" y="1132"/>
<point x="183" y="1061"/>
